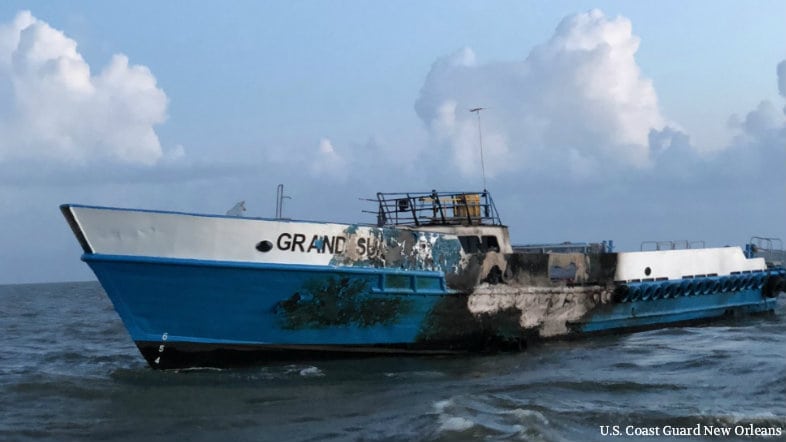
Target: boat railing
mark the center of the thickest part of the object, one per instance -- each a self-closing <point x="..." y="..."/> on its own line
<point x="565" y="247"/>
<point x="436" y="208"/>
<point x="771" y="249"/>
<point x="671" y="245"/>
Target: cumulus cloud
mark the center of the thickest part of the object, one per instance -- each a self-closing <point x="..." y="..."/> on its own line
<point x="763" y="128"/>
<point x="327" y="161"/>
<point x="53" y="108"/>
<point x="320" y="160"/>
<point x="760" y="121"/>
<point x="759" y="145"/>
<point x="576" y="101"/>
<point x="668" y="139"/>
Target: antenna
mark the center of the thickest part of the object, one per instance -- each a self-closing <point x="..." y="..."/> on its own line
<point x="480" y="139"/>
<point x="280" y="201"/>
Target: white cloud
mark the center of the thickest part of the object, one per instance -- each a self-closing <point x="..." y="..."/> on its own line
<point x="327" y="161"/>
<point x="763" y="129"/>
<point x="755" y="154"/>
<point x="54" y="109"/>
<point x="576" y="101"/>
<point x="319" y="162"/>
<point x="326" y="148"/>
<point x="762" y="120"/>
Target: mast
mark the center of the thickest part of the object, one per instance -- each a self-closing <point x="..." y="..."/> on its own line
<point x="480" y="142"/>
<point x="280" y="201"/>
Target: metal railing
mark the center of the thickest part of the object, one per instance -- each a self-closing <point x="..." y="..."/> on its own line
<point x="564" y="247"/>
<point x="671" y="245"/>
<point x="771" y="249"/>
<point x="436" y="208"/>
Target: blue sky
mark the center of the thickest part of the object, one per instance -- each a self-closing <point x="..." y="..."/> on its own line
<point x="634" y="122"/>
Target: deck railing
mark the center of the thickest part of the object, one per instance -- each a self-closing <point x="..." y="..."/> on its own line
<point x="671" y="245"/>
<point x="436" y="208"/>
<point x="566" y="247"/>
<point x="771" y="249"/>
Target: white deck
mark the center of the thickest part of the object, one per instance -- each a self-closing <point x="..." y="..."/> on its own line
<point x="676" y="264"/>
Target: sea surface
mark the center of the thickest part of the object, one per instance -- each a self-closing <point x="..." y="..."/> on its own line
<point x="69" y="371"/>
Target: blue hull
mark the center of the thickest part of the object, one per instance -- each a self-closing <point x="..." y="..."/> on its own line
<point x="681" y="309"/>
<point x="236" y="303"/>
<point x="184" y="313"/>
<point x="188" y="312"/>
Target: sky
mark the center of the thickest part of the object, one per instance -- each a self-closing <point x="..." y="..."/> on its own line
<point x="608" y="120"/>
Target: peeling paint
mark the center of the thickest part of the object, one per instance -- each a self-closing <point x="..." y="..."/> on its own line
<point x="446" y="253"/>
<point x="546" y="310"/>
<point x="521" y="295"/>
<point x="501" y="296"/>
<point x="400" y="249"/>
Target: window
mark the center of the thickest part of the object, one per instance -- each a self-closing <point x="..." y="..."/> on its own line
<point x="490" y="244"/>
<point x="470" y="244"/>
<point x="473" y="244"/>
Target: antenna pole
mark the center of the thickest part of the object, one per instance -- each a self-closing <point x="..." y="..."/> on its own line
<point x="280" y="201"/>
<point x="480" y="140"/>
<point x="279" y="192"/>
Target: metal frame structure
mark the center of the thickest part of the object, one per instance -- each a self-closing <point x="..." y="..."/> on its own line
<point x="436" y="208"/>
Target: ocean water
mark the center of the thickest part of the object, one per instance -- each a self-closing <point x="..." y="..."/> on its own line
<point x="69" y="371"/>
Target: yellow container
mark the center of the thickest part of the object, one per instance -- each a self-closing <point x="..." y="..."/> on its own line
<point x="468" y="203"/>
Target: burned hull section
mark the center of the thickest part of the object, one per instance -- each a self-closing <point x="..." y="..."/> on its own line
<point x="537" y="294"/>
<point x="553" y="295"/>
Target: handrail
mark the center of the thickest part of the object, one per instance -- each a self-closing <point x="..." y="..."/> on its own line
<point x="765" y="247"/>
<point x="758" y="241"/>
<point x="436" y="208"/>
<point x="564" y="247"/>
<point x="673" y="244"/>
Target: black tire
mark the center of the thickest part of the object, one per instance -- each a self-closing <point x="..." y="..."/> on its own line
<point x="772" y="287"/>
<point x="619" y="293"/>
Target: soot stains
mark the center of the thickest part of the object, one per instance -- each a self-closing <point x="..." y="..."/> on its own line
<point x="339" y="301"/>
<point x="451" y="322"/>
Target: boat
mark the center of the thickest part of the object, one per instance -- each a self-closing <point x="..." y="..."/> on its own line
<point x="435" y="274"/>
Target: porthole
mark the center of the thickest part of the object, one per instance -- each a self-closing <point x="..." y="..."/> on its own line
<point x="264" y="246"/>
<point x="647" y="271"/>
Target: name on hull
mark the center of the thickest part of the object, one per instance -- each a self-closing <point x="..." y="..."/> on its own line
<point x="336" y="244"/>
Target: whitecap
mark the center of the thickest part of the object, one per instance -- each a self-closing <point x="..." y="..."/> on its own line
<point x="311" y="372"/>
<point x="522" y="414"/>
<point x="455" y="424"/>
<point x="440" y="406"/>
